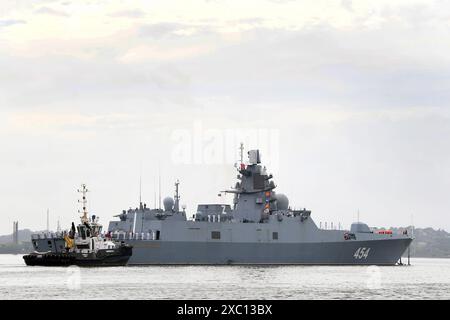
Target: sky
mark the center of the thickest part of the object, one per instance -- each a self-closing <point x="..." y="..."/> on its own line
<point x="347" y="100"/>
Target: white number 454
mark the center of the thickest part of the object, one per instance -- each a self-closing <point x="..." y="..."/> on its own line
<point x="361" y="253"/>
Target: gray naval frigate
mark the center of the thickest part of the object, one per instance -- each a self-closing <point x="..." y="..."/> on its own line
<point x="259" y="228"/>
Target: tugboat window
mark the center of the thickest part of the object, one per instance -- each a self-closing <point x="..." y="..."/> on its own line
<point x="215" y="235"/>
<point x="82" y="231"/>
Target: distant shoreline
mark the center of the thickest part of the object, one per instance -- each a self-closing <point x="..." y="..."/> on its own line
<point x="428" y="243"/>
<point x="403" y="257"/>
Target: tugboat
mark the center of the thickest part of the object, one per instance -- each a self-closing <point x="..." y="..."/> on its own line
<point x="84" y="246"/>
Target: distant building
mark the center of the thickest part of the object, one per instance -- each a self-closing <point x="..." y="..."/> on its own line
<point x="15" y="235"/>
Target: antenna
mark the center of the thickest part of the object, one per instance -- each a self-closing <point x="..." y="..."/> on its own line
<point x="357" y="220"/>
<point x="154" y="194"/>
<point x="159" y="187"/>
<point x="48" y="223"/>
<point x="140" y="186"/>
<point x="177" y="197"/>
<point x="58" y="226"/>
<point x="241" y="149"/>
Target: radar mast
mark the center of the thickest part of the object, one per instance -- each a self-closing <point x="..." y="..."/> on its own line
<point x="177" y="197"/>
<point x="83" y="190"/>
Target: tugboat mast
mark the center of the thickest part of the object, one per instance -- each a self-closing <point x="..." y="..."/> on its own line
<point x="83" y="201"/>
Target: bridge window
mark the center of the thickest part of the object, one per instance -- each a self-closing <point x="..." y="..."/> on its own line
<point x="258" y="181"/>
<point x="215" y="235"/>
<point x="82" y="231"/>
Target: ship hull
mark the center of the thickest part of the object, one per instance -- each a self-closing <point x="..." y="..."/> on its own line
<point x="103" y="258"/>
<point x="371" y="252"/>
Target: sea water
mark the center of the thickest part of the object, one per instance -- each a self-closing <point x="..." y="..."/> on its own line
<point x="424" y="279"/>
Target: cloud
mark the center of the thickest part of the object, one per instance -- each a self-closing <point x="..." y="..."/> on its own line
<point x="160" y="30"/>
<point x="360" y="97"/>
<point x="66" y="121"/>
<point x="131" y="13"/>
<point x="53" y="12"/>
<point x="400" y="64"/>
<point x="255" y="21"/>
<point x="11" y="22"/>
<point x="141" y="54"/>
<point x="347" y="4"/>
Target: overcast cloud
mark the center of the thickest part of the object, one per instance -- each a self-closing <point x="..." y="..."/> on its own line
<point x="350" y="99"/>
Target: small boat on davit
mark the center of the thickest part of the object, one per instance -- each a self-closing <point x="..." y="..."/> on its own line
<point x="84" y="246"/>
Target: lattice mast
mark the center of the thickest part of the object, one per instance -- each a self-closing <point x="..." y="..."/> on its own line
<point x="83" y="190"/>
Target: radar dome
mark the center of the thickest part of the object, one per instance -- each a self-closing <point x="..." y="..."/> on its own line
<point x="282" y="201"/>
<point x="168" y="204"/>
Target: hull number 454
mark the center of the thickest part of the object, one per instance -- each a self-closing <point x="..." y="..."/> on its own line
<point x="361" y="253"/>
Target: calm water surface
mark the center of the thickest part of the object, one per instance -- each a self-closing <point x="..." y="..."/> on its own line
<point x="425" y="279"/>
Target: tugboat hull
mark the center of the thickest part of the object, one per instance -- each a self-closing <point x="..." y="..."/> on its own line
<point x="102" y="258"/>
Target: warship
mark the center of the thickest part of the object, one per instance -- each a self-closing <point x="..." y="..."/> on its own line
<point x="84" y="246"/>
<point x="258" y="228"/>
